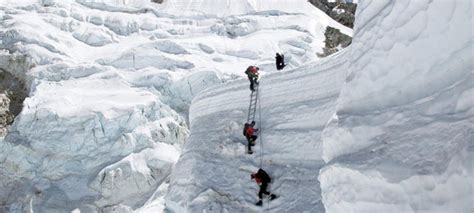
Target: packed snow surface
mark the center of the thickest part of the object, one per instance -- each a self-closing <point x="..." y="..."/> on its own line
<point x="109" y="87"/>
<point x="401" y="139"/>
<point x="385" y="126"/>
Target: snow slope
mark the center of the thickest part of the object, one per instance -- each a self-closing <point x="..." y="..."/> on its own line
<point x="110" y="83"/>
<point x="213" y="173"/>
<point x="393" y="134"/>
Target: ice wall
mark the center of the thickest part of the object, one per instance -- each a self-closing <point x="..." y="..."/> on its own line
<point x="401" y="140"/>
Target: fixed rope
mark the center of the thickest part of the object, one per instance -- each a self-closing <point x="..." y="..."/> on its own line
<point x="260" y="124"/>
<point x="254" y="100"/>
<point x="267" y="208"/>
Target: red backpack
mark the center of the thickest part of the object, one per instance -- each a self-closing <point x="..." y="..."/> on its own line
<point x="251" y="70"/>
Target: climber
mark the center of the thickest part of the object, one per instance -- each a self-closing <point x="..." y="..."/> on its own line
<point x="262" y="179"/>
<point x="252" y="74"/>
<point x="280" y="61"/>
<point x="249" y="132"/>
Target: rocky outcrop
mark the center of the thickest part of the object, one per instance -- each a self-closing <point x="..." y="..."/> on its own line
<point x="335" y="40"/>
<point x="6" y="117"/>
<point x="12" y="94"/>
<point x="341" y="10"/>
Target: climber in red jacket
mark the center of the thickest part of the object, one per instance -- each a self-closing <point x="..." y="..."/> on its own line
<point x="252" y="74"/>
<point x="249" y="132"/>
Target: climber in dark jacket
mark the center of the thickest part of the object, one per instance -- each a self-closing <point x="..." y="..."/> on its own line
<point x="249" y="132"/>
<point x="262" y="179"/>
<point x="252" y="74"/>
<point x="280" y="61"/>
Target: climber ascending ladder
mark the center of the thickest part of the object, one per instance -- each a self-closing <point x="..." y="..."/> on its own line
<point x="250" y="133"/>
<point x="252" y="74"/>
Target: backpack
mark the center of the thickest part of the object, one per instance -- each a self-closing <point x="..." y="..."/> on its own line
<point x="251" y="70"/>
<point x="245" y="129"/>
<point x="264" y="176"/>
<point x="247" y="71"/>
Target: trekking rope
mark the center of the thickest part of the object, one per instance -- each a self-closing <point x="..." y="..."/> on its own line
<point x="254" y="100"/>
<point x="260" y="124"/>
<point x="267" y="208"/>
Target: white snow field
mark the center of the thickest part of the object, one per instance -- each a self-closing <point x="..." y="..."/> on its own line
<point x="110" y="84"/>
<point x="385" y="126"/>
<point x="401" y="139"/>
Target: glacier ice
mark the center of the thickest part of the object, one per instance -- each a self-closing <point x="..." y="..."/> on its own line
<point x="109" y="85"/>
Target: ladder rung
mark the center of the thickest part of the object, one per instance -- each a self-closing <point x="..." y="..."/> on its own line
<point x="252" y="105"/>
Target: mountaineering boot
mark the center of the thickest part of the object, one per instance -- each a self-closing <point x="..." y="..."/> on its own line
<point x="252" y="143"/>
<point x="273" y="197"/>
<point x="259" y="203"/>
<point x="249" y="152"/>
